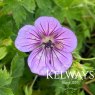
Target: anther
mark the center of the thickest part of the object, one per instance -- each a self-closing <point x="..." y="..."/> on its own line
<point x="49" y="44"/>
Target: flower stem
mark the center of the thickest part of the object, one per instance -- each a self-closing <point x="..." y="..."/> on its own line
<point x="88" y="82"/>
<point x="34" y="81"/>
<point x="87" y="58"/>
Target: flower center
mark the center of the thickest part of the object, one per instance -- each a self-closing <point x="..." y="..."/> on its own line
<point x="49" y="44"/>
<point x="48" y="41"/>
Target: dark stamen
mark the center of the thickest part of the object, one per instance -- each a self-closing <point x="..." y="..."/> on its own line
<point x="48" y="44"/>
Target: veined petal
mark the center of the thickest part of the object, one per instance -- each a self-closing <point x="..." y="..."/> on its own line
<point x="27" y="39"/>
<point x="40" y="61"/>
<point x="46" y="25"/>
<point x="61" y="61"/>
<point x="67" y="38"/>
<point x="37" y="62"/>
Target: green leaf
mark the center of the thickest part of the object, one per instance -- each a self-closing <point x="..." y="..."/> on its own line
<point x="15" y="86"/>
<point x="58" y="13"/>
<point x="6" y="91"/>
<point x="3" y="52"/>
<point x="29" y="5"/>
<point x="45" y="8"/>
<point x="41" y="12"/>
<point x="19" y="15"/>
<point x="5" y="78"/>
<point x="82" y="93"/>
<point x="6" y="27"/>
<point x="63" y="3"/>
<point x="28" y="90"/>
<point x="7" y="42"/>
<point x="87" y="33"/>
<point x="17" y="66"/>
<point x="86" y="30"/>
<point x="44" y="4"/>
<point x="14" y="8"/>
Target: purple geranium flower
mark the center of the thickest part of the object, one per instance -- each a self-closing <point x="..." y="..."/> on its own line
<point x="50" y="44"/>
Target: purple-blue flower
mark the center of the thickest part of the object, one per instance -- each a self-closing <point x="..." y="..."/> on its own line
<point x="49" y="43"/>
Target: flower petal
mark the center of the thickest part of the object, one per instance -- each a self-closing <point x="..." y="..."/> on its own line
<point x="41" y="60"/>
<point x="67" y="38"/>
<point x="37" y="62"/>
<point x="61" y="61"/>
<point x="27" y="39"/>
<point x="47" y="24"/>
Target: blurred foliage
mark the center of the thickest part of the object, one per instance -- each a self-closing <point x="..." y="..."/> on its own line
<point x="15" y="76"/>
<point x="5" y="81"/>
